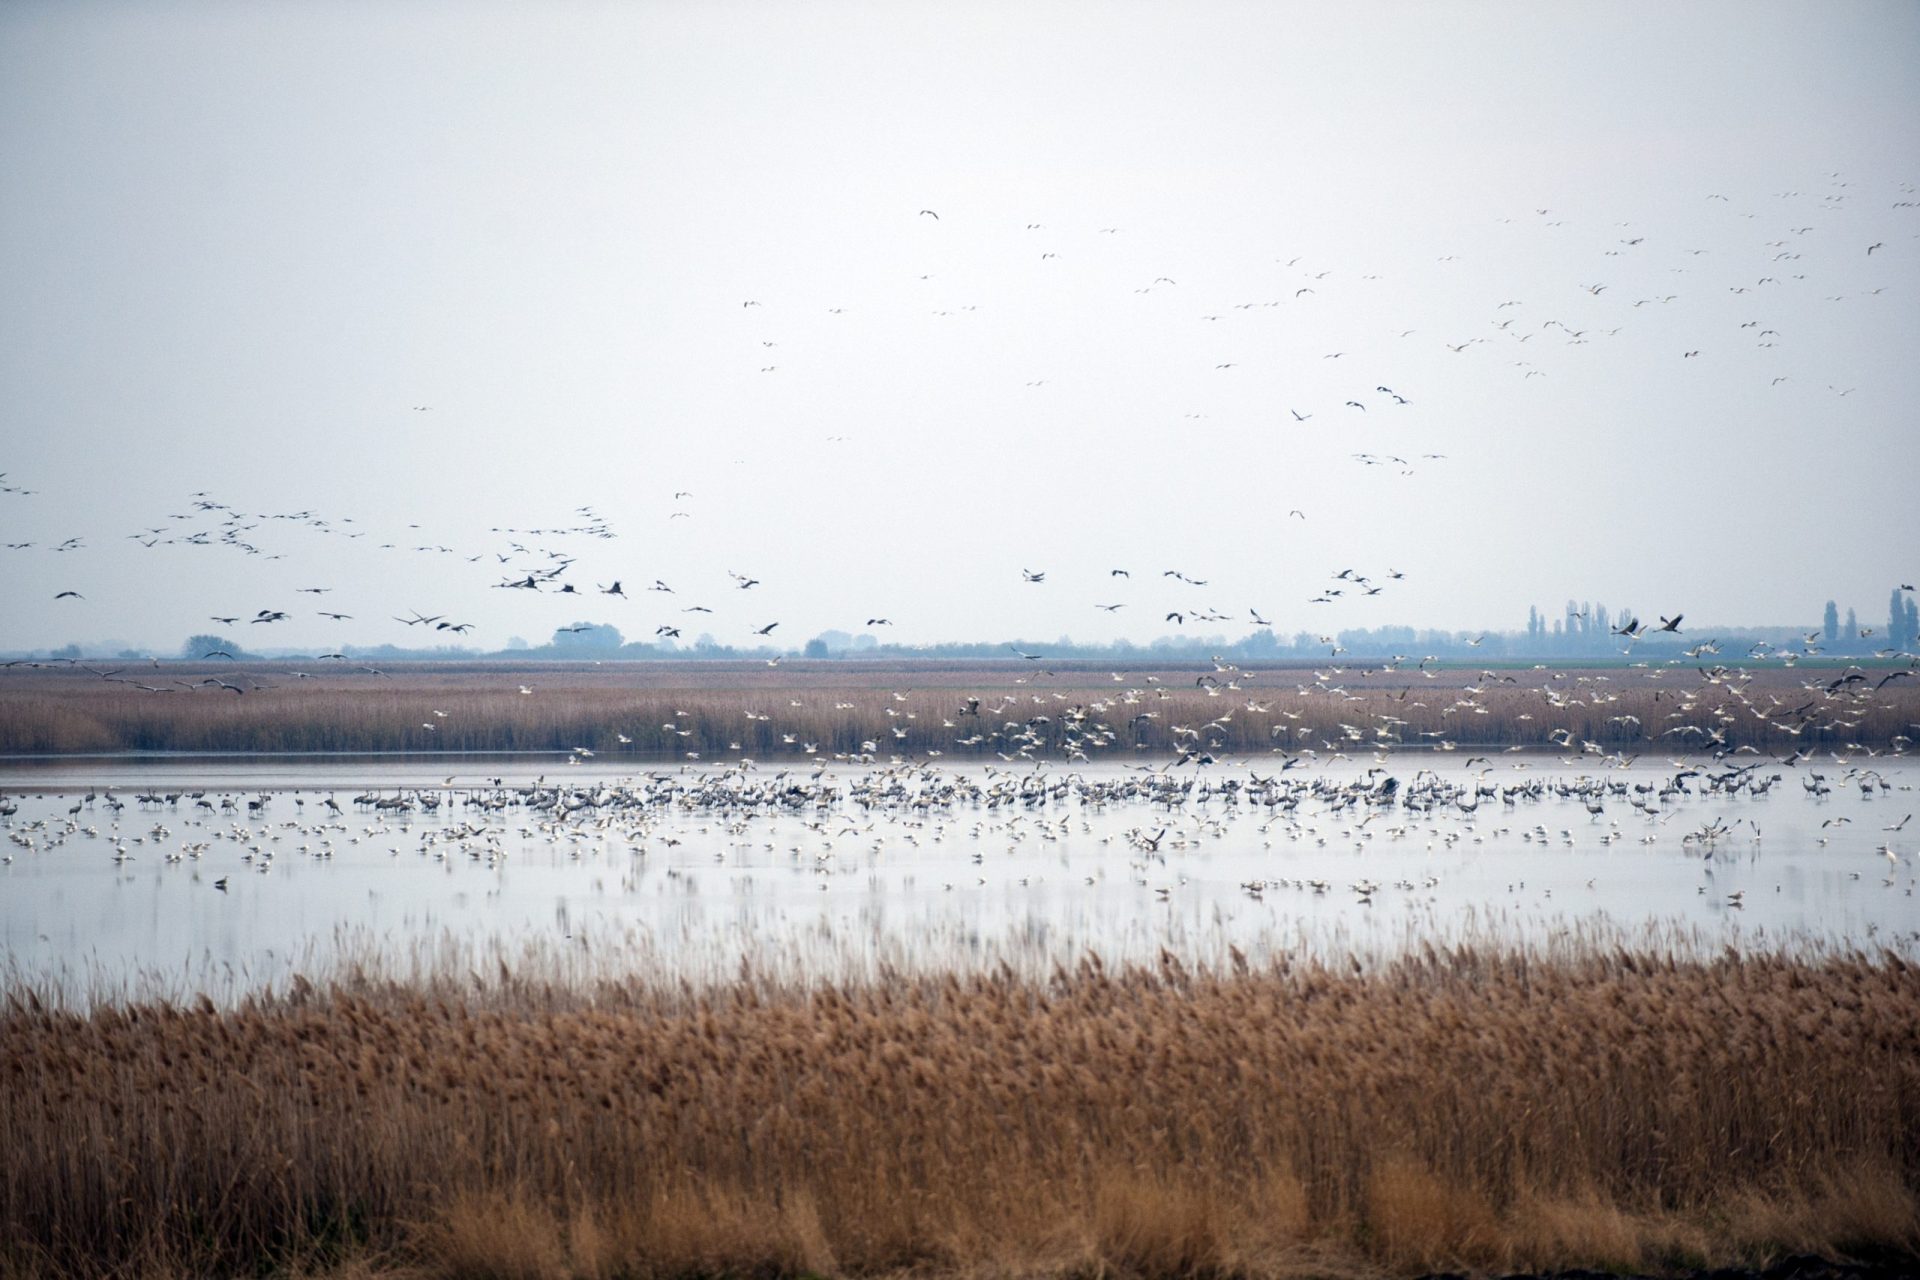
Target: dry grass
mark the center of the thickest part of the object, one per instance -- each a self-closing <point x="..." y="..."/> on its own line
<point x="725" y="710"/>
<point x="1457" y="1109"/>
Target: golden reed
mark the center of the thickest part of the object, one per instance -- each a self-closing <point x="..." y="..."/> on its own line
<point x="1467" y="1108"/>
<point x="726" y="710"/>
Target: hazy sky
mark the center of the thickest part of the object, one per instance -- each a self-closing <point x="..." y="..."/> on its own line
<point x="436" y="273"/>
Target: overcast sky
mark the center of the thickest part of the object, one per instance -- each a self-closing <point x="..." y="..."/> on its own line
<point x="885" y="305"/>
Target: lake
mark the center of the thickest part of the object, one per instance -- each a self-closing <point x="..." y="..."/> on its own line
<point x="234" y="872"/>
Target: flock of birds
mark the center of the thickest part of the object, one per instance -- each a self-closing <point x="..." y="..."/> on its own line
<point x="1142" y="839"/>
<point x="1767" y="264"/>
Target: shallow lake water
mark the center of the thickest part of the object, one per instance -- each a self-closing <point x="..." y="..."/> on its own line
<point x="235" y="872"/>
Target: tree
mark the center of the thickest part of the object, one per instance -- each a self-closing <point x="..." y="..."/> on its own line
<point x="200" y="646"/>
<point x="1897" y="634"/>
<point x="587" y="636"/>
<point x="1830" y="624"/>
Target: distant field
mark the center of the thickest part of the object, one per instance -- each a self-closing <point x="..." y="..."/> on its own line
<point x="721" y="711"/>
<point x="1597" y="1108"/>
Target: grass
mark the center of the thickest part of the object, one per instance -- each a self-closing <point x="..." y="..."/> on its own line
<point x="1465" y="1108"/>
<point x="727" y="710"/>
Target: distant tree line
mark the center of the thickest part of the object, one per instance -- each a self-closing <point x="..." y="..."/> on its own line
<point x="1582" y="631"/>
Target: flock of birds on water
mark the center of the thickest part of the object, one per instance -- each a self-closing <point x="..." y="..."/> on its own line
<point x="1771" y="262"/>
<point x="1157" y="835"/>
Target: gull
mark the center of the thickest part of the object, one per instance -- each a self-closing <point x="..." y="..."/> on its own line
<point x="69" y="595"/>
<point x="1031" y="576"/>
<point x="928" y="213"/>
<point x="766" y="630"/>
<point x="1670" y="624"/>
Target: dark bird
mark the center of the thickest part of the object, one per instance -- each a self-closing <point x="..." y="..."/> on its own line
<point x="1031" y="576"/>
<point x="928" y="213"/>
<point x="613" y="590"/>
<point x="228" y="621"/>
<point x="1670" y="624"/>
<point x="766" y="630"/>
<point x="69" y="595"/>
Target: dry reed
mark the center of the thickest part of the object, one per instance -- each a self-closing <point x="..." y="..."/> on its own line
<point x="726" y="710"/>
<point x="1464" y="1108"/>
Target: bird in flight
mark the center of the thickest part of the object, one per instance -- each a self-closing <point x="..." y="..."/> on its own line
<point x="69" y="595"/>
<point x="928" y="213"/>
<point x="766" y="630"/>
<point x="1031" y="576"/>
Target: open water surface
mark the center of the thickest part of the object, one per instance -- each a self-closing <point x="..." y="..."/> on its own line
<point x="234" y="872"/>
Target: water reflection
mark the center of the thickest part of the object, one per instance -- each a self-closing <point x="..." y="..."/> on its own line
<point x="259" y="866"/>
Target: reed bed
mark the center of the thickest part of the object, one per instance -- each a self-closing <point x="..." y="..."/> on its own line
<point x="797" y="710"/>
<point x="1460" y="1108"/>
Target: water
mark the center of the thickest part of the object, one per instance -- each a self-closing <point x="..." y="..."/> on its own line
<point x="673" y="869"/>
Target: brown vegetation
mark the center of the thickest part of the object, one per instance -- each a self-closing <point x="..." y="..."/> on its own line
<point x="1454" y="1109"/>
<point x="732" y="709"/>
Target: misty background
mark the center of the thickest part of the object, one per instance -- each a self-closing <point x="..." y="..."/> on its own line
<point x="941" y="314"/>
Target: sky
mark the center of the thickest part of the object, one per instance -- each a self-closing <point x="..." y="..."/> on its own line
<point x="890" y="306"/>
